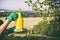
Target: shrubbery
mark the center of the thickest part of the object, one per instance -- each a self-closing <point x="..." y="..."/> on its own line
<point x="51" y="28"/>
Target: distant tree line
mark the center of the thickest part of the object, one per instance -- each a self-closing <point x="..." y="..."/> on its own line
<point x="26" y="14"/>
<point x="4" y="14"/>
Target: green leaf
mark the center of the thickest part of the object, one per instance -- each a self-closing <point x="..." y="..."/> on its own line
<point x="30" y="1"/>
<point x="26" y="1"/>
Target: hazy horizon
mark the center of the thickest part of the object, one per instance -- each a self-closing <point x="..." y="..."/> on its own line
<point x="15" y="5"/>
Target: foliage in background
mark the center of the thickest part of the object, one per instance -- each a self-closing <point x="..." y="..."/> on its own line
<point x="51" y="7"/>
<point x="51" y="28"/>
<point x="52" y="10"/>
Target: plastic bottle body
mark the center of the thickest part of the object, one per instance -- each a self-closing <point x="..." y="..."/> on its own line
<point x="19" y="24"/>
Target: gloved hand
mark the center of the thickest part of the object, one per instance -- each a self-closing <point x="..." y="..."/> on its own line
<point x="12" y="17"/>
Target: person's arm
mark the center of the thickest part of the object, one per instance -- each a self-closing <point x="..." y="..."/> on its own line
<point x="3" y="26"/>
<point x="11" y="17"/>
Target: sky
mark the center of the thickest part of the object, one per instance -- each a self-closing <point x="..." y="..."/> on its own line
<point x="15" y="4"/>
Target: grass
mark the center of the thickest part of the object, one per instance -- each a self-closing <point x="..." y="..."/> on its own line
<point x="27" y="38"/>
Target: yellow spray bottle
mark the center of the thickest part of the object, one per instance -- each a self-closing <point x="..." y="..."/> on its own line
<point x="19" y="22"/>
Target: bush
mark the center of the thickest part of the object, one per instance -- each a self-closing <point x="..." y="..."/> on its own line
<point x="51" y="28"/>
